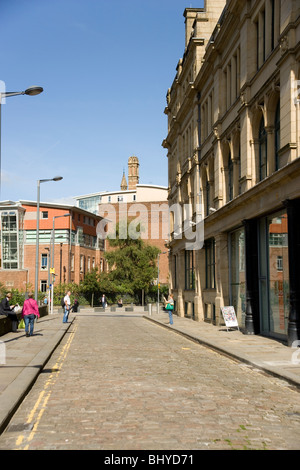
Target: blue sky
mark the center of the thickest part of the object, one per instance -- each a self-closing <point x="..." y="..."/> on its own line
<point x="105" y="67"/>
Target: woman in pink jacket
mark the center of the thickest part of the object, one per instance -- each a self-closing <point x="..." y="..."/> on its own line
<point x="30" y="310"/>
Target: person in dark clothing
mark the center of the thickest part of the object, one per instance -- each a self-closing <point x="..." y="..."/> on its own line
<point x="7" y="309"/>
<point x="75" y="306"/>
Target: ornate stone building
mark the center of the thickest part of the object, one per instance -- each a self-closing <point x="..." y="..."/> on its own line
<point x="233" y="156"/>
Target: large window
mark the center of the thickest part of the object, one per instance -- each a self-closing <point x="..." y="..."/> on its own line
<point x="267" y="30"/>
<point x="230" y="178"/>
<point x="262" y="151"/>
<point x="210" y="264"/>
<point x="189" y="270"/>
<point x="11" y="240"/>
<point x="90" y="203"/>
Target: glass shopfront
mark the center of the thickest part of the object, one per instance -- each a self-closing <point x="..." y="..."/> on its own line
<point x="274" y="274"/>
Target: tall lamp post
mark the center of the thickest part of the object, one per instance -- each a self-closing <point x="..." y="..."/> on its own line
<point x="32" y="91"/>
<point x="56" y="178"/>
<point x="52" y="257"/>
<point x="163" y="253"/>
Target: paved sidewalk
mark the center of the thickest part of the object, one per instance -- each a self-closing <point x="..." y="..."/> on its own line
<point x="26" y="357"/>
<point x="263" y="353"/>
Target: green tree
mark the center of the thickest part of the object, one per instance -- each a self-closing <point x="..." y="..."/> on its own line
<point x="90" y="286"/>
<point x="61" y="289"/>
<point x="132" y="265"/>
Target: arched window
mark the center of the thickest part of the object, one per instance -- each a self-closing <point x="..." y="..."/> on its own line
<point x="277" y="136"/>
<point x="262" y="138"/>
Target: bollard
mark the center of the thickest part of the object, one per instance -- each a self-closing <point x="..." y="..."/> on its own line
<point x="150" y="309"/>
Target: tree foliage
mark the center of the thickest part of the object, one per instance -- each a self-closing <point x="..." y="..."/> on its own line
<point x="132" y="264"/>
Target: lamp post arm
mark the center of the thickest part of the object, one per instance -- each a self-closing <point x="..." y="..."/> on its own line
<point x="6" y="94"/>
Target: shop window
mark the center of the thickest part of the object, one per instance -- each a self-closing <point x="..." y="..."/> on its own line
<point x="274" y="274"/>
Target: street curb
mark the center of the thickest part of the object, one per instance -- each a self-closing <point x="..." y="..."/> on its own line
<point x="284" y="375"/>
<point x="15" y="393"/>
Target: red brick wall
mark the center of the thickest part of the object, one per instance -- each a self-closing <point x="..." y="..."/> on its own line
<point x="155" y="224"/>
<point x="14" y="279"/>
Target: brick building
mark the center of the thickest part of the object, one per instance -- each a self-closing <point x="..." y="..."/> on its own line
<point x="77" y="249"/>
<point x="137" y="203"/>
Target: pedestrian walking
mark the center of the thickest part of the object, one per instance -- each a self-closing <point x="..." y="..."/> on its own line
<point x="7" y="310"/>
<point x="103" y="301"/>
<point x="67" y="306"/>
<point x="29" y="312"/>
<point x="169" y="306"/>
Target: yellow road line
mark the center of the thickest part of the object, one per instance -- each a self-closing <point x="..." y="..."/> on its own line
<point x="41" y="403"/>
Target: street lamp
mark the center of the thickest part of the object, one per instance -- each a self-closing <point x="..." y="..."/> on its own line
<point x="52" y="257"/>
<point x="31" y="91"/>
<point x="56" y="178"/>
<point x="163" y="253"/>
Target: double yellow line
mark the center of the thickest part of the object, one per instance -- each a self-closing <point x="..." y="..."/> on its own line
<point x="35" y="416"/>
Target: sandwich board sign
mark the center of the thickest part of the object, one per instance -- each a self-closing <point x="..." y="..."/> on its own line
<point x="230" y="317"/>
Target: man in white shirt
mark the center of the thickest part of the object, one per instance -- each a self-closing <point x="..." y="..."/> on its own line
<point x="67" y="301"/>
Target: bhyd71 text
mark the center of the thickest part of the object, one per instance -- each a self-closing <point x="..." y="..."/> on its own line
<point x="173" y="459"/>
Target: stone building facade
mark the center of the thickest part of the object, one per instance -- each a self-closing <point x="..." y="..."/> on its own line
<point x="233" y="159"/>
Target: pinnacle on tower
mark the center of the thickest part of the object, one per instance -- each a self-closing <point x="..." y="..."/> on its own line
<point x="123" y="182"/>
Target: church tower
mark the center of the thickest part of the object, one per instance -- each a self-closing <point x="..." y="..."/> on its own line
<point x="133" y="172"/>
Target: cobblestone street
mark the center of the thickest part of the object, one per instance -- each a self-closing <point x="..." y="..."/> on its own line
<point x="119" y="382"/>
